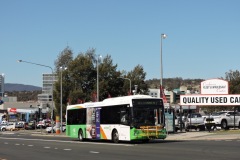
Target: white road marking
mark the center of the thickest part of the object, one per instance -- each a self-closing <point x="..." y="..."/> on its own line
<point x="8" y="133"/>
<point x="30" y="145"/>
<point x="93" y="143"/>
<point x="67" y="149"/>
<point x="17" y="144"/>
<point x="46" y="147"/>
<point x="94" y="152"/>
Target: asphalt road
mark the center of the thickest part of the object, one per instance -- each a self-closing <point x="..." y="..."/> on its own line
<point x="18" y="146"/>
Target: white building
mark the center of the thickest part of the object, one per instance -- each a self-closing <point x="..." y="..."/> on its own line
<point x="170" y="95"/>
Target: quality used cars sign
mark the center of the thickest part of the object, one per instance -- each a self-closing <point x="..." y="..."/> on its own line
<point x="229" y="99"/>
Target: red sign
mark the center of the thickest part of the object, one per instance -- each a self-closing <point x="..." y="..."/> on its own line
<point x="13" y="110"/>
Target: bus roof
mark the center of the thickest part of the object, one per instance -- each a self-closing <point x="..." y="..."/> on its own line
<point x="111" y="101"/>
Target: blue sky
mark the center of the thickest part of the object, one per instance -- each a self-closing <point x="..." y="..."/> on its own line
<point x="203" y="35"/>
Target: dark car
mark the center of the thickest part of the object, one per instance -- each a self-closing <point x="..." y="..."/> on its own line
<point x="30" y="125"/>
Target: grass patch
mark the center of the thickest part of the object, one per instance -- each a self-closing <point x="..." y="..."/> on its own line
<point x="230" y="131"/>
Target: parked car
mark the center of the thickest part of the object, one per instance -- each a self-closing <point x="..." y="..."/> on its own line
<point x="2" y="125"/>
<point x="4" y="122"/>
<point x="195" y="121"/>
<point x="30" y="125"/>
<point x="19" y="124"/>
<point x="44" y="123"/>
<point x="49" y="129"/>
<point x="209" y="123"/>
<point x="225" y="119"/>
<point x="178" y="123"/>
<point x="8" y="126"/>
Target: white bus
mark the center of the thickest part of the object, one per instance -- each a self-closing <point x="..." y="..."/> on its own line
<point x="128" y="118"/>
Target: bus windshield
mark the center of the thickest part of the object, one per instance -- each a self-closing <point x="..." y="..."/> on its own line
<point x="147" y="112"/>
<point x="144" y="116"/>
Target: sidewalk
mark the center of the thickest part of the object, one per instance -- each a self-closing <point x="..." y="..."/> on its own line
<point x="42" y="132"/>
<point x="205" y="135"/>
<point x="192" y="135"/>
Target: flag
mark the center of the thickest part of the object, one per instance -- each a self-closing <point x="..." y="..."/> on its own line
<point x="94" y="97"/>
<point x="162" y="95"/>
<point x="69" y="101"/>
<point x="79" y="101"/>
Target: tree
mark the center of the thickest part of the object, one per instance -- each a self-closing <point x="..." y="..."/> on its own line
<point x="233" y="77"/>
<point x="82" y="76"/>
<point x="109" y="84"/>
<point x="137" y="76"/>
<point x="64" y="59"/>
<point x="79" y="81"/>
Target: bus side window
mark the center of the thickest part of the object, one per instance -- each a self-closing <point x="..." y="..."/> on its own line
<point x="124" y="115"/>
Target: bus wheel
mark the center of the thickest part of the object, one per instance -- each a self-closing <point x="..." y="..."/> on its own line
<point x="115" y="136"/>
<point x="80" y="135"/>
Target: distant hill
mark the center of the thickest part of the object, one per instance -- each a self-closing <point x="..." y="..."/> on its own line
<point x="169" y="83"/>
<point x="10" y="87"/>
<point x="173" y="83"/>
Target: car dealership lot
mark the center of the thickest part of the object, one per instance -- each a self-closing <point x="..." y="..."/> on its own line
<point x="206" y="135"/>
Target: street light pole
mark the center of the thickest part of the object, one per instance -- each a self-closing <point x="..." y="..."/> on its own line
<point x="2" y="88"/>
<point x="163" y="36"/>
<point x="129" y="83"/>
<point x="61" y="126"/>
<point x="52" y="85"/>
<point x="40" y="115"/>
<point x="98" y="57"/>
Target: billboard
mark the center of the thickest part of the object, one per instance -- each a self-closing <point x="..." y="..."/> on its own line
<point x="200" y="99"/>
<point x="214" y="86"/>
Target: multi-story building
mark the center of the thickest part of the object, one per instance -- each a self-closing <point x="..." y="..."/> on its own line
<point x="170" y="95"/>
<point x="173" y="97"/>
<point x="48" y="84"/>
<point x="29" y="110"/>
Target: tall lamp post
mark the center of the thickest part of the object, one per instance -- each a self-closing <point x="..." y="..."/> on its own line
<point x="61" y="126"/>
<point x="52" y="85"/>
<point x="129" y="83"/>
<point x="40" y="115"/>
<point x="163" y="36"/>
<point x="2" y="87"/>
<point x="98" y="60"/>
